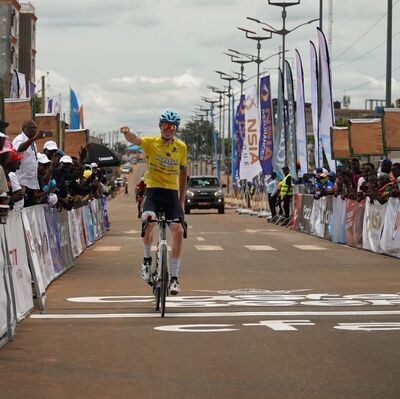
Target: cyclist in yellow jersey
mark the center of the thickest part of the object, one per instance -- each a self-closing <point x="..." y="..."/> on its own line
<point x="166" y="160"/>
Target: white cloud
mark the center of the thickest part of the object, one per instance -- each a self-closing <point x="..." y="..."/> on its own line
<point x="130" y="60"/>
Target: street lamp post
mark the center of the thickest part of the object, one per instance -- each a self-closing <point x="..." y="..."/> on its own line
<point x="253" y="36"/>
<point x="212" y="103"/>
<point x="389" y="55"/>
<point x="229" y="79"/>
<point x="237" y="60"/>
<point x="282" y="32"/>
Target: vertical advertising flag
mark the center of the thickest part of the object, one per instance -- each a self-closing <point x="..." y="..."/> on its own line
<point x="74" y="119"/>
<point x="233" y="143"/>
<point x="301" y="130"/>
<point x="315" y="106"/>
<point x="327" y="117"/>
<point x="240" y="132"/>
<point x="278" y="159"/>
<point x="291" y="121"/>
<point x="250" y="165"/>
<point x="266" y="132"/>
<point x="82" y="121"/>
<point x="50" y="106"/>
<point x="57" y="104"/>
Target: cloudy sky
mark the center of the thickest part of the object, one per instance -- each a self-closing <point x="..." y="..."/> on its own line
<point x="128" y="60"/>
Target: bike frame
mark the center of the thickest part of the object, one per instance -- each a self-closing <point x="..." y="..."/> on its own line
<point x="160" y="282"/>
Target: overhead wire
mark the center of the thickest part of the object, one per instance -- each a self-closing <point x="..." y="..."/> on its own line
<point x="364" y="34"/>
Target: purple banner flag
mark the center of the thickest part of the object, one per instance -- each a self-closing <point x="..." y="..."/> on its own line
<point x="240" y="132"/>
<point x="266" y="133"/>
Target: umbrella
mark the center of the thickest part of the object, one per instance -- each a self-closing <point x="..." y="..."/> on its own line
<point x="101" y="155"/>
<point x="135" y="147"/>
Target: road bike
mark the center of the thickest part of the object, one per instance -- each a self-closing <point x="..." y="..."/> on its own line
<point x="160" y="277"/>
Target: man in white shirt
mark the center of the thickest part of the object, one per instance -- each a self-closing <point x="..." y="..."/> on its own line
<point x="27" y="174"/>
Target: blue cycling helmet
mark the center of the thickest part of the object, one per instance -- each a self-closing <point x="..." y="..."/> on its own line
<point x="170" y="117"/>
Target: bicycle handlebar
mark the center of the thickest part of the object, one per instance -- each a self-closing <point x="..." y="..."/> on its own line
<point x="181" y="221"/>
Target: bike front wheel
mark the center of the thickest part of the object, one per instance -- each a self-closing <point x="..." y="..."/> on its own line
<point x="164" y="279"/>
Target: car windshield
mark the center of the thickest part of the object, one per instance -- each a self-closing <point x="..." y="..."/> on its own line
<point x="204" y="182"/>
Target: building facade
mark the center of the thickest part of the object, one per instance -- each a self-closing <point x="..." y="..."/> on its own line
<point x="17" y="41"/>
<point x="27" y="42"/>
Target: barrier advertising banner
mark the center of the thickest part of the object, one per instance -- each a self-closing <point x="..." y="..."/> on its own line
<point x="54" y="237"/>
<point x="354" y="222"/>
<point x="79" y="224"/>
<point x="279" y="155"/>
<point x="338" y="221"/>
<point x="95" y="212"/>
<point x="374" y="217"/>
<point x="106" y="221"/>
<point x="37" y="268"/>
<point x="74" y="234"/>
<point x="43" y="242"/>
<point x="4" y="298"/>
<point x="18" y="258"/>
<point x="88" y="224"/>
<point x="303" y="222"/>
<point x="65" y="239"/>
<point x="390" y="240"/>
<point x="320" y="217"/>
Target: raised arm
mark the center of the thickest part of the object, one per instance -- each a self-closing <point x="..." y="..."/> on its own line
<point x="130" y="136"/>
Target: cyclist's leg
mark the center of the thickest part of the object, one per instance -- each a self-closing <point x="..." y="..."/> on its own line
<point x="149" y="209"/>
<point x="173" y="210"/>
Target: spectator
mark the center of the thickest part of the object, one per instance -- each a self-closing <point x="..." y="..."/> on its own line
<point x="63" y="176"/>
<point x="5" y="150"/>
<point x="50" y="150"/>
<point x="287" y="192"/>
<point x="47" y="185"/>
<point x="355" y="172"/>
<point x="272" y="191"/>
<point x="386" y="186"/>
<point x="3" y="180"/>
<point x="27" y="173"/>
<point x="331" y="183"/>
<point x="395" y="175"/>
<point x="17" y="193"/>
<point x="386" y="166"/>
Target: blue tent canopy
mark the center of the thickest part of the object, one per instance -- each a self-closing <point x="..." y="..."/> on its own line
<point x="135" y="147"/>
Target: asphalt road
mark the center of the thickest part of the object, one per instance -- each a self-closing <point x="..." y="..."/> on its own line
<point x="264" y="313"/>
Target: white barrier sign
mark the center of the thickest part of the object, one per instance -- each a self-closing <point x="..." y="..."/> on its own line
<point x="37" y="268"/>
<point x="3" y="291"/>
<point x="390" y="241"/>
<point x="18" y="257"/>
<point x="374" y="218"/>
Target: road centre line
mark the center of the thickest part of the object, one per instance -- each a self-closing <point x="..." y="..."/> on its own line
<point x="200" y="239"/>
<point x="211" y="314"/>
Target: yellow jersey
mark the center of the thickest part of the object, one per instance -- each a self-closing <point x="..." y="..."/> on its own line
<point x="164" y="161"/>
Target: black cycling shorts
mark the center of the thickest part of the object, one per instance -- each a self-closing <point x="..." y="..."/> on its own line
<point x="161" y="199"/>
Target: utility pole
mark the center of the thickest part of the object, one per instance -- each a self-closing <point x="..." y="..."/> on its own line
<point x="389" y="55"/>
<point x="43" y="99"/>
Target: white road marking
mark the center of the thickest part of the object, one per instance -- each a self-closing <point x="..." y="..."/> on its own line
<point x="200" y="239"/>
<point x="310" y="247"/>
<point x="260" y="248"/>
<point x="104" y="248"/>
<point x="132" y="232"/>
<point x="212" y="314"/>
<point x="208" y="248"/>
<point x="199" y="328"/>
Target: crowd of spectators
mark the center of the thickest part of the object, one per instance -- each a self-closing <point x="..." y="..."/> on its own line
<point x="28" y="177"/>
<point x="352" y="180"/>
<point x="356" y="181"/>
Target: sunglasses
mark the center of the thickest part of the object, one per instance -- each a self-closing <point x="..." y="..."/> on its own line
<point x="169" y="126"/>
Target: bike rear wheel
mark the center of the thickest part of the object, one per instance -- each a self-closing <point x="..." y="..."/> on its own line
<point x="164" y="279"/>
